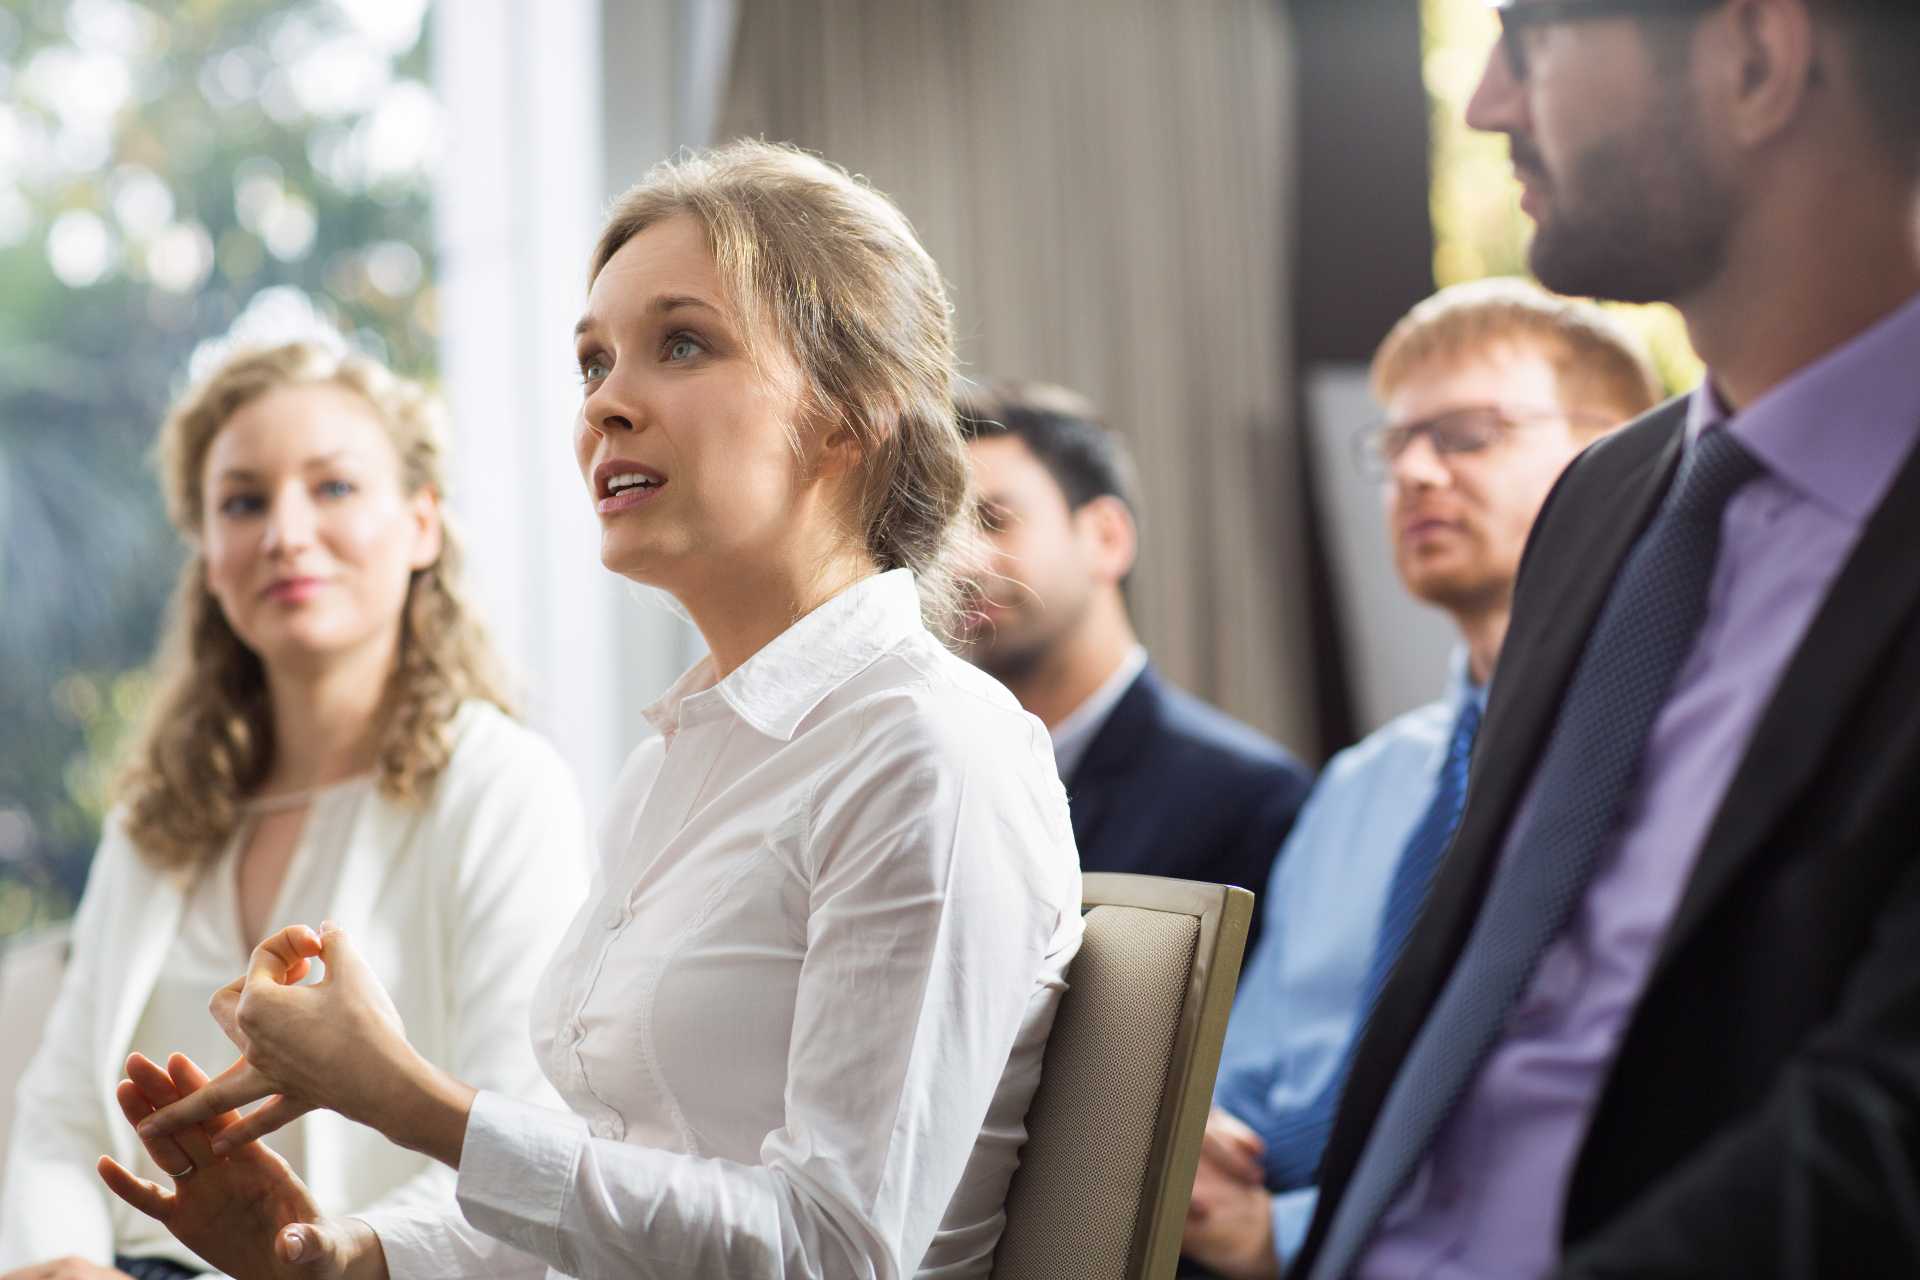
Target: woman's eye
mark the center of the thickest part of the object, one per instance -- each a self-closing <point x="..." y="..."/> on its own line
<point x="336" y="488"/>
<point x="682" y="347"/>
<point x="240" y="504"/>
<point x="593" y="369"/>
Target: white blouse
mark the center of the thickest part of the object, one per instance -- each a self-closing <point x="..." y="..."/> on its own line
<point x="801" y="1017"/>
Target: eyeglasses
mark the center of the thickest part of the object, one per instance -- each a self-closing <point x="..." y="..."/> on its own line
<point x="1517" y="17"/>
<point x="1455" y="433"/>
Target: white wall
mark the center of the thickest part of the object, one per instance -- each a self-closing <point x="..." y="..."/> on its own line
<point x="553" y="106"/>
<point x="1397" y="648"/>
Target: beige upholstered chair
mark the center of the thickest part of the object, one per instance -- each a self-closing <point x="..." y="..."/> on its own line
<point x="1113" y="1134"/>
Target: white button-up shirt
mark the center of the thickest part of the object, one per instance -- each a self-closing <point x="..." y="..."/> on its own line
<point x="800" y="1018"/>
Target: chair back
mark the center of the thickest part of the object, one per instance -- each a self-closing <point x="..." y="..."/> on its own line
<point x="1113" y="1133"/>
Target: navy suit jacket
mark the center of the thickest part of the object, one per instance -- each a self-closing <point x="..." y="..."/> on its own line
<point x="1173" y="787"/>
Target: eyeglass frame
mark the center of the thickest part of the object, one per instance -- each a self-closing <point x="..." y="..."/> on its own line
<point x="1377" y="464"/>
<point x="1516" y="16"/>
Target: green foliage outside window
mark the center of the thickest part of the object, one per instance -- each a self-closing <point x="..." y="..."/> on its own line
<point x="169" y="173"/>
<point x="1478" y="228"/>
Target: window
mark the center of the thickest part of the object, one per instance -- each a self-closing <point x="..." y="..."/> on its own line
<point x="1478" y="228"/>
<point x="169" y="176"/>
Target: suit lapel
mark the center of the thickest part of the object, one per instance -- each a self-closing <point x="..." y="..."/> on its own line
<point x="1549" y="632"/>
<point x="1561" y="598"/>
<point x="1870" y="604"/>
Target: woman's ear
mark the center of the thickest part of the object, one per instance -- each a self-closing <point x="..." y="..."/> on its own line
<point x="834" y="449"/>
<point x="425" y="521"/>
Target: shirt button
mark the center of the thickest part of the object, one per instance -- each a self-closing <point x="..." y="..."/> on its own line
<point x="616" y="917"/>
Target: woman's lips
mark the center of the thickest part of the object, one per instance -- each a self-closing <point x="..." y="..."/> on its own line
<point x="294" y="590"/>
<point x="627" y="499"/>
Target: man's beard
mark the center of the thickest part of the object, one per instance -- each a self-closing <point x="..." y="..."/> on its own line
<point x="1638" y="219"/>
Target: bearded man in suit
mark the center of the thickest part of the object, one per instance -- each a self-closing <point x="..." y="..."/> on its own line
<point x="1661" y="1014"/>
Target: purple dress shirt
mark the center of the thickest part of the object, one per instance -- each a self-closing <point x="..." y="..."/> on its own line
<point x="1487" y="1200"/>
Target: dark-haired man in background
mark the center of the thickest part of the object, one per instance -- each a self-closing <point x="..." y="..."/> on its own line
<point x="1157" y="781"/>
<point x="1661" y="1014"/>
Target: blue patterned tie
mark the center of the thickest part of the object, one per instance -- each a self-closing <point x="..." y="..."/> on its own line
<point x="1642" y="637"/>
<point x="1296" y="1137"/>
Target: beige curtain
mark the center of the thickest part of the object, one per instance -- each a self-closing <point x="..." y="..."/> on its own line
<point x="1104" y="183"/>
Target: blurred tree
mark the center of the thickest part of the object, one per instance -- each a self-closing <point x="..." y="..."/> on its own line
<point x="170" y="177"/>
<point x="1478" y="227"/>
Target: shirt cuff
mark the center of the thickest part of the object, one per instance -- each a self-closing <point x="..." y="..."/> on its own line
<point x="421" y="1244"/>
<point x="1292" y="1215"/>
<point x="517" y="1166"/>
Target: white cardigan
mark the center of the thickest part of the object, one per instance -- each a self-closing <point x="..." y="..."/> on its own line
<point x="456" y="905"/>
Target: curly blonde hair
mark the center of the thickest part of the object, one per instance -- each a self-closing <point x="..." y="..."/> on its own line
<point x="207" y="743"/>
<point x="831" y="268"/>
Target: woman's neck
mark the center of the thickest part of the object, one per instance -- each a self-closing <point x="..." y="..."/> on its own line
<point x="739" y="614"/>
<point x="326" y="721"/>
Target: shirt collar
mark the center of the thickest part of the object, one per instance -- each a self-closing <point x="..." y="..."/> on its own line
<point x="1837" y="429"/>
<point x="1461" y="688"/>
<point x="778" y="686"/>
<point x="1073" y="735"/>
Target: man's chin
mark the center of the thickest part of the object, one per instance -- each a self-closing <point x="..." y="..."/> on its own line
<point x="1454" y="588"/>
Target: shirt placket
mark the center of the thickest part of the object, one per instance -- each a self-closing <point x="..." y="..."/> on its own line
<point x="690" y="755"/>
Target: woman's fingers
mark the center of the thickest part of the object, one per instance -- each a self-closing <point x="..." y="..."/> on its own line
<point x="225" y="1008"/>
<point x="276" y="1112"/>
<point x="135" y="1106"/>
<point x="138" y="1192"/>
<point x="235" y="1087"/>
<point x="283" y="958"/>
<point x="162" y="1092"/>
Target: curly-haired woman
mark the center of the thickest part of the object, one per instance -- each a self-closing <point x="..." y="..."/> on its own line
<point x="327" y="742"/>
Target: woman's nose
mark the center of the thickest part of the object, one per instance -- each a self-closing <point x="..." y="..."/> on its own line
<point x="289" y="524"/>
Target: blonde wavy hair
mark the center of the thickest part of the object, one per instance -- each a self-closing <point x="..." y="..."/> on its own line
<point x="817" y="259"/>
<point x="208" y="739"/>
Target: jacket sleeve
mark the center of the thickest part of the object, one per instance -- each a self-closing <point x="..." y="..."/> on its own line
<point x="55" y="1204"/>
<point x="1822" y="1181"/>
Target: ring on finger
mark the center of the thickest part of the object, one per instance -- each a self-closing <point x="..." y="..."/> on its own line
<point x="187" y="1172"/>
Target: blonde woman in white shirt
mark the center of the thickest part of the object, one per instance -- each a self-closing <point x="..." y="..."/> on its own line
<point x="326" y="741"/>
<point x="799" y="1022"/>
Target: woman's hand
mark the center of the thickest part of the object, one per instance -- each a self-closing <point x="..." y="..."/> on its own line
<point x="338" y="1044"/>
<point x="244" y="1212"/>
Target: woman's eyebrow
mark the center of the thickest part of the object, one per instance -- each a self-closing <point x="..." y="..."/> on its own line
<point x="665" y="303"/>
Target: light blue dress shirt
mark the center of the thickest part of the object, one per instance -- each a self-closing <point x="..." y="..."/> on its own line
<point x="1299" y="999"/>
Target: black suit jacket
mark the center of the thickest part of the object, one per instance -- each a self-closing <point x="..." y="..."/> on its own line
<point x="1762" y="1117"/>
<point x="1170" y="786"/>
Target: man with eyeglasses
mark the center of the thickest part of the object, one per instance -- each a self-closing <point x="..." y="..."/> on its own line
<point x="1660" y="1015"/>
<point x="1489" y="390"/>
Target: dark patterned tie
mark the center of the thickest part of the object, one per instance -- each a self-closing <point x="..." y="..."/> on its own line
<point x="1644" y="633"/>
<point x="1295" y="1138"/>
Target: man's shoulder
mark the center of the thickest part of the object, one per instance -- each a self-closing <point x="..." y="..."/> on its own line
<point x="1201" y="735"/>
